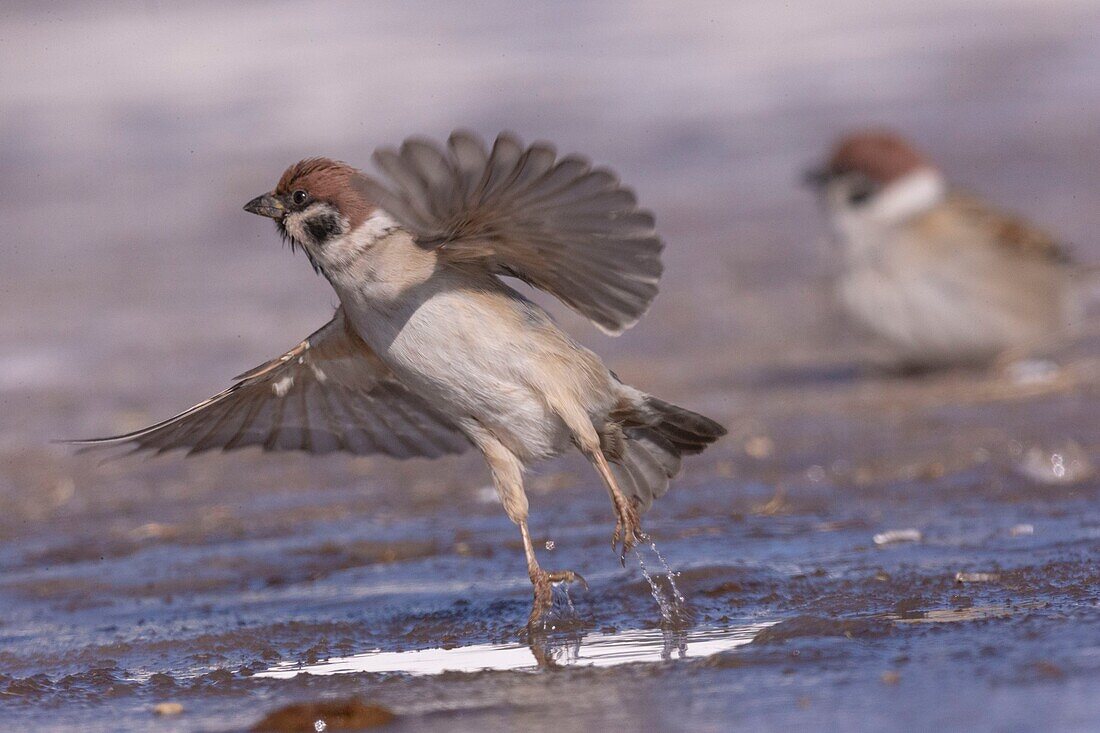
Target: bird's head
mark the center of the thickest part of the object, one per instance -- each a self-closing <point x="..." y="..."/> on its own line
<point x="875" y="177"/>
<point x="315" y="205"/>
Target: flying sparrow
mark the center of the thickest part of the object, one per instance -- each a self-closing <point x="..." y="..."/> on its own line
<point x="942" y="276"/>
<point x="431" y="352"/>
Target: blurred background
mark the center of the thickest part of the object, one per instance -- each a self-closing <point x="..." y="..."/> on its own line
<point x="133" y="286"/>
<point x="133" y="134"/>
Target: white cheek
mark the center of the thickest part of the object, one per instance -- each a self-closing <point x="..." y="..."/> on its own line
<point x="294" y="225"/>
<point x="900" y="200"/>
<point x="909" y="195"/>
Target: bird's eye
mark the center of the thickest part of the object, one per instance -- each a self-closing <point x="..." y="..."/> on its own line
<point x="860" y="192"/>
<point x="300" y="197"/>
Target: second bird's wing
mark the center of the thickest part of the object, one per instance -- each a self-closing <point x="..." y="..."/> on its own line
<point x="554" y="222"/>
<point x="328" y="393"/>
<point x="1006" y="232"/>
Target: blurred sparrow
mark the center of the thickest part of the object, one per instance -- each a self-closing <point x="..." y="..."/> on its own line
<point x="431" y="352"/>
<point x="942" y="276"/>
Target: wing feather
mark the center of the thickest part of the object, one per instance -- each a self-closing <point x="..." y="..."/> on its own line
<point x="557" y="223"/>
<point x="329" y="393"/>
<point x="1006" y="231"/>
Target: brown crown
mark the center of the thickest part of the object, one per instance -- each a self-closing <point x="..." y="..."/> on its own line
<point x="330" y="181"/>
<point x="882" y="156"/>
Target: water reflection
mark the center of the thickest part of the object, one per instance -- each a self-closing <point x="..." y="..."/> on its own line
<point x="969" y="613"/>
<point x="591" y="650"/>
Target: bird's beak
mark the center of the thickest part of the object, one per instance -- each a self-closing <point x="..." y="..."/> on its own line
<point x="267" y="205"/>
<point x="815" y="177"/>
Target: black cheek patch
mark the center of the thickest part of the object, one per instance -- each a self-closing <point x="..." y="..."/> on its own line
<point x="323" y="227"/>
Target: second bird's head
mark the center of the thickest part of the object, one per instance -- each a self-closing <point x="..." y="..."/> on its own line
<point x="315" y="205"/>
<point x="875" y="178"/>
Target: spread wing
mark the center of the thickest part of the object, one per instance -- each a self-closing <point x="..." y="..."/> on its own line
<point x="328" y="393"/>
<point x="557" y="223"/>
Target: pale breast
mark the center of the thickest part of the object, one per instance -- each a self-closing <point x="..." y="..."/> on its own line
<point x="477" y="355"/>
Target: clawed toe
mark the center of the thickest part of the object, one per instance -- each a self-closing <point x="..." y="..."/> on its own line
<point x="628" y="531"/>
<point x="567" y="576"/>
<point x="543" y="583"/>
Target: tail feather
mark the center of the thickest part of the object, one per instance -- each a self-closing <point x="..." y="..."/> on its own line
<point x="688" y="431"/>
<point x="656" y="435"/>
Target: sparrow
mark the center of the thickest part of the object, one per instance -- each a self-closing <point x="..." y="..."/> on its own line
<point x="940" y="275"/>
<point x="431" y="352"/>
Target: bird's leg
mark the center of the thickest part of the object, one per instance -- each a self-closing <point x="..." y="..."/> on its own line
<point x="542" y="580"/>
<point x="628" y="528"/>
<point x="507" y="473"/>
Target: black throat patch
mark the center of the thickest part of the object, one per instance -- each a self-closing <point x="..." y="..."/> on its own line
<point x="323" y="227"/>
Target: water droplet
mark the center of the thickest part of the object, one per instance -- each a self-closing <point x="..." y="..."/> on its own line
<point x="320" y="726"/>
<point x="1065" y="464"/>
<point x="549" y="544"/>
<point x="1057" y="465"/>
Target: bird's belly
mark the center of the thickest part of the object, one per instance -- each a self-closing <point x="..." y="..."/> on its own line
<point x="470" y="368"/>
<point x="467" y="389"/>
<point x="928" y="315"/>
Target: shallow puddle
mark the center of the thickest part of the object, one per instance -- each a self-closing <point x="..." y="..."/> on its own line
<point x="589" y="650"/>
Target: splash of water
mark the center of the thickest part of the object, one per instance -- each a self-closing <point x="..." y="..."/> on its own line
<point x="673" y="639"/>
<point x="569" y="601"/>
<point x="680" y="600"/>
<point x="666" y="605"/>
<point x="671" y="601"/>
<point x="562" y="614"/>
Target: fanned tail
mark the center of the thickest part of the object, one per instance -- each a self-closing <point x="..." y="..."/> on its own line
<point x="656" y="434"/>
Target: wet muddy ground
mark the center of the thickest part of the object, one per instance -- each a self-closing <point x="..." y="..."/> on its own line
<point x="866" y="550"/>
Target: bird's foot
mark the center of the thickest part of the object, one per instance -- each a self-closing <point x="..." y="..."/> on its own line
<point x="543" y="581"/>
<point x="628" y="529"/>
